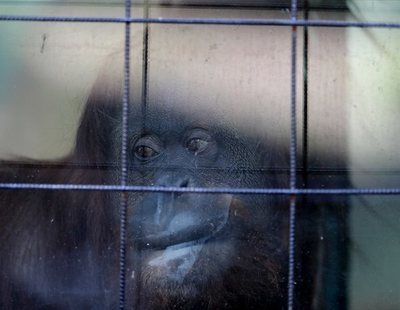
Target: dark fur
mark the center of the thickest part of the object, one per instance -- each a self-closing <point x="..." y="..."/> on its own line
<point x="59" y="249"/>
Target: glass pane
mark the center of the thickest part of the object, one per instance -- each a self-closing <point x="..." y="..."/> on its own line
<point x="374" y="11"/>
<point x="209" y="109"/>
<point x="225" y="81"/>
<point x="47" y="77"/>
<point x="375" y="253"/>
<point x="210" y="12"/>
<point x="55" y="8"/>
<point x="353" y="92"/>
<point x="59" y="250"/>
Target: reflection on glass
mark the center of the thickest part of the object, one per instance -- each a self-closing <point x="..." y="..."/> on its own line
<point x="209" y="108"/>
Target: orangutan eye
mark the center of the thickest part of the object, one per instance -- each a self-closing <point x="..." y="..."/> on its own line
<point x="197" y="145"/>
<point x="144" y="152"/>
<point x="147" y="148"/>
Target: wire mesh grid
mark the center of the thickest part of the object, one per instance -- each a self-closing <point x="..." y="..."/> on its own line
<point x="124" y="188"/>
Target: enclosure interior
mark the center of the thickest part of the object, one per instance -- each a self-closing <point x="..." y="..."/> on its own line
<point x="347" y="96"/>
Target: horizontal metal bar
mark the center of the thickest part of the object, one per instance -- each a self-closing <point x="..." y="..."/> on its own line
<point x="231" y="4"/>
<point x="272" y="170"/>
<point x="203" y="21"/>
<point x="159" y="189"/>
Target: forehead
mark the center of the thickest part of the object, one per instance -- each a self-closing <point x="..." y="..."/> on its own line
<point x="166" y="119"/>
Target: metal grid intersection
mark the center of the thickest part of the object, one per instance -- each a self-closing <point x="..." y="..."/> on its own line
<point x="124" y="188"/>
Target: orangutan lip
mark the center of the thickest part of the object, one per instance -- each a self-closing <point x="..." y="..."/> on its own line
<point x="163" y="241"/>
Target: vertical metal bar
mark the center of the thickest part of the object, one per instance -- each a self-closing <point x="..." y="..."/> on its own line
<point x="124" y="163"/>
<point x="293" y="150"/>
<point x="305" y="97"/>
<point x="293" y="131"/>
<point x="292" y="240"/>
<point x="145" y="69"/>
